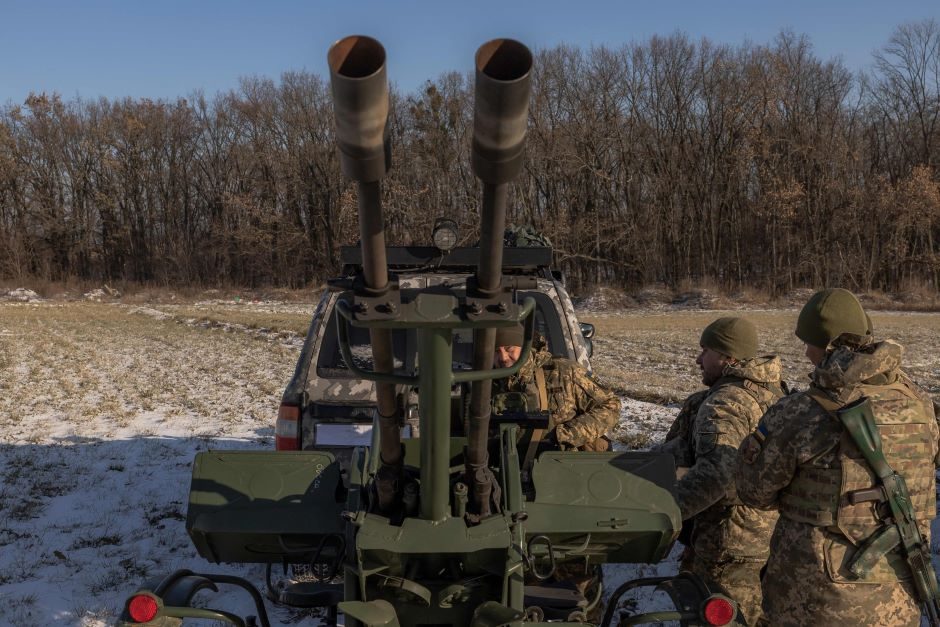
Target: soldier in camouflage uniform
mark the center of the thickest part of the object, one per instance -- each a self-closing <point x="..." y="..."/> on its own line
<point x="581" y="410"/>
<point x="801" y="461"/>
<point x="581" y="414"/>
<point x="729" y="541"/>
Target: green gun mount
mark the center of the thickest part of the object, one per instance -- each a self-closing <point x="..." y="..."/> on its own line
<point x="445" y="528"/>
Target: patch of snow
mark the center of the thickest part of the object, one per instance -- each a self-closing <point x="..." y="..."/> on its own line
<point x="644" y="423"/>
<point x="287" y="338"/>
<point x="96" y="295"/>
<point x="21" y="295"/>
<point x="153" y="313"/>
<point x="605" y="299"/>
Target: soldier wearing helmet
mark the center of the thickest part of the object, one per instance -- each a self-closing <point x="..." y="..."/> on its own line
<point x="581" y="410"/>
<point x="802" y="461"/>
<point x="729" y="541"/>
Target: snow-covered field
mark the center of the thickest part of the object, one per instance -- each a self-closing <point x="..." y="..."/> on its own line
<point x="102" y="407"/>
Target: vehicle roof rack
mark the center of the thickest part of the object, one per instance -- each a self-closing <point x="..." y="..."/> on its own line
<point x="529" y="259"/>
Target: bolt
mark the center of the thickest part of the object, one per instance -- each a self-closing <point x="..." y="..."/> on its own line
<point x="501" y="307"/>
<point x="475" y="309"/>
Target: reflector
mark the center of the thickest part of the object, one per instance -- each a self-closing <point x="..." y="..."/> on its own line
<point x="718" y="611"/>
<point x="142" y="608"/>
<point x="285" y="428"/>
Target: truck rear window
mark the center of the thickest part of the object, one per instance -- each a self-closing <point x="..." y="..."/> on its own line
<point x="330" y="363"/>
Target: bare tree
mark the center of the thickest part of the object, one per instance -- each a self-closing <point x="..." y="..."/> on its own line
<point x="668" y="160"/>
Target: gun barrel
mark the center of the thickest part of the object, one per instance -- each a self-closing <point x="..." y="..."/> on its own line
<point x="360" y="106"/>
<point x="501" y="109"/>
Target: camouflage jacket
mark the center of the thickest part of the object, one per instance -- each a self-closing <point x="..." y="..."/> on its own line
<point x="705" y="439"/>
<point x="581" y="410"/>
<point x="798" y="455"/>
<point x="797" y="432"/>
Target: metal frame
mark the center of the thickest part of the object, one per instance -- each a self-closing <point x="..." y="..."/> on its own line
<point x="399" y="257"/>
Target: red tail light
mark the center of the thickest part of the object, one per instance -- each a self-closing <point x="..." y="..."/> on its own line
<point x="718" y="611"/>
<point x="287" y="428"/>
<point x="142" y="608"/>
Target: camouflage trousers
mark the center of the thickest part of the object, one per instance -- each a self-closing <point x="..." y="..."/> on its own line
<point x="740" y="579"/>
<point x="803" y="585"/>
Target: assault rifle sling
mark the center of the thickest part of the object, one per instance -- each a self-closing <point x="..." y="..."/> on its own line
<point x="900" y="518"/>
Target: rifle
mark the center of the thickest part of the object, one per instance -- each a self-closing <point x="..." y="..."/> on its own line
<point x="900" y="519"/>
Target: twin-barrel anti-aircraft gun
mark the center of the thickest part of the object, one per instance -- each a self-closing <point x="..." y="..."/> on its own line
<point x="447" y="528"/>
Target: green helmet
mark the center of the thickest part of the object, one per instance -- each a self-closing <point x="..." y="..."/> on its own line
<point x="829" y="314"/>
<point x="731" y="336"/>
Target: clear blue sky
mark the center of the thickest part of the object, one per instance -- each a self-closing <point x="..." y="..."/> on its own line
<point x="168" y="48"/>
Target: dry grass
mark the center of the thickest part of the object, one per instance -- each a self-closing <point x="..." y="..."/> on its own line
<point x="132" y="293"/>
<point x="138" y="293"/>
<point x="272" y="320"/>
<point x="650" y="355"/>
<point x="88" y="360"/>
<point x="709" y="294"/>
<point x="93" y="358"/>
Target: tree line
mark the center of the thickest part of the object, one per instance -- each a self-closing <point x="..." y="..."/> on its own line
<point x="669" y="160"/>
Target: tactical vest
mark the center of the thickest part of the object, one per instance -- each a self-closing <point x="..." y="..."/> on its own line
<point x="533" y="398"/>
<point x="537" y="396"/>
<point x="818" y="494"/>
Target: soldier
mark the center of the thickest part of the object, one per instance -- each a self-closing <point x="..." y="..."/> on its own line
<point x="802" y="461"/>
<point x="581" y="414"/>
<point x="729" y="541"/>
<point x="581" y="410"/>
